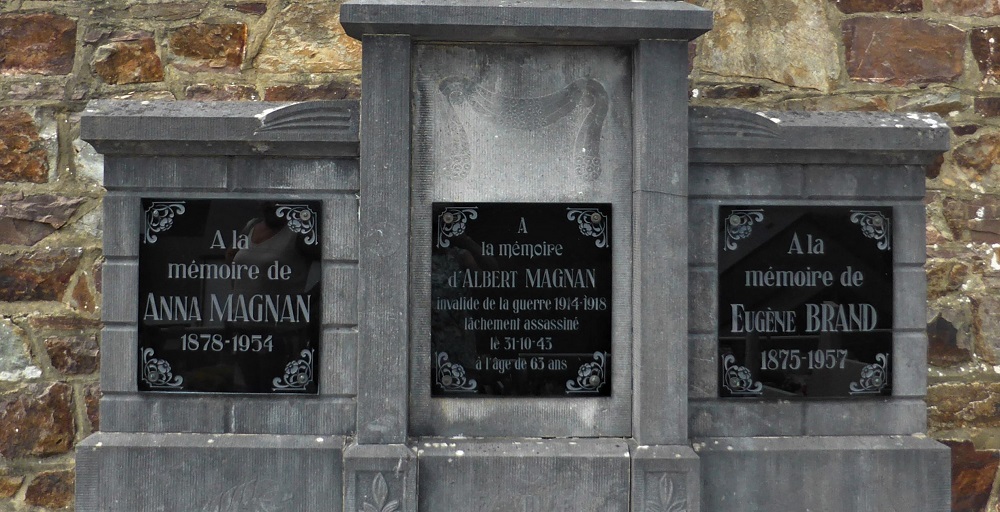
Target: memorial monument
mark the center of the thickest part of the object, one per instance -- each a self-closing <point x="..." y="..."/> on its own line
<point x="521" y="275"/>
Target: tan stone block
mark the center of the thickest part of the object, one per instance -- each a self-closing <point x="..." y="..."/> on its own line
<point x="307" y="38"/>
<point x="854" y="6"/>
<point x="208" y="47"/>
<point x="128" y="62"/>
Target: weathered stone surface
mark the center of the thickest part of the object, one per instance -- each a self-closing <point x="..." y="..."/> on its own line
<point x="964" y="129"/>
<point x="92" y="401"/>
<point x="963" y="404"/>
<point x="22" y="154"/>
<point x="335" y="90"/>
<point x="944" y="277"/>
<point x="37" y="91"/>
<point x="98" y="272"/>
<point x="37" y="275"/>
<point x="985" y="44"/>
<point x="840" y="102"/>
<point x="48" y="208"/>
<point x="73" y="355"/>
<point x="981" y="155"/>
<point x="942" y="103"/>
<point x="82" y="298"/>
<point x="228" y="92"/>
<point x="203" y="47"/>
<point x="900" y="51"/>
<point x="776" y="40"/>
<point x="307" y="37"/>
<point x="986" y="325"/>
<point x="972" y="475"/>
<point x="63" y="323"/>
<point x="37" y="43"/>
<point x="9" y="485"/>
<point x="934" y="168"/>
<point x="167" y="11"/>
<point x="22" y="232"/>
<point x="854" y="6"/>
<point x="37" y="421"/>
<point x="15" y="361"/>
<point x="988" y="107"/>
<point x="128" y="62"/>
<point x="51" y="489"/>
<point x="963" y="7"/>
<point x="249" y="7"/>
<point x="738" y="91"/>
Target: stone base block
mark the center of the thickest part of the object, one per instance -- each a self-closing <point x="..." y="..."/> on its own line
<point x="208" y="473"/>
<point x="380" y="477"/>
<point x="665" y="479"/>
<point x="828" y="474"/>
<point x="528" y="475"/>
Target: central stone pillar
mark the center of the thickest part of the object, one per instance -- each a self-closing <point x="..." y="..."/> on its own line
<point x="523" y="261"/>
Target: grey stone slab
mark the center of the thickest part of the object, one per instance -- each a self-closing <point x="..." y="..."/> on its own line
<point x="665" y="478"/>
<point x="383" y="281"/>
<point x="379" y="476"/>
<point x="909" y="298"/>
<point x="909" y="232"/>
<point x="832" y="474"/>
<point x="528" y="474"/>
<point x="855" y="182"/>
<point x="909" y="364"/>
<point x="660" y="318"/>
<point x="702" y="232"/>
<point x="201" y="472"/>
<point x="738" y="183"/>
<point x="660" y="97"/>
<point x="547" y="21"/>
<point x="271" y="174"/>
<point x="740" y="417"/>
<point x="703" y="366"/>
<point x="123" y="229"/>
<point x="703" y="300"/>
<point x="119" y="359"/>
<point x="340" y="293"/>
<point x="120" y="283"/>
<point x="148" y="173"/>
<point x="340" y="227"/>
<point x="314" y="129"/>
<point x="152" y="412"/>
<point x="339" y="360"/>
<point x="292" y="414"/>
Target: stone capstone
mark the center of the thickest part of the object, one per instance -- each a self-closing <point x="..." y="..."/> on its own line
<point x="770" y="39"/>
<point x="73" y="355"/>
<point x="37" y="421"/>
<point x="307" y="38"/>
<point x="22" y="154"/>
<point x="205" y="47"/>
<point x="42" y="275"/>
<point x="128" y="61"/>
<point x="901" y="51"/>
<point x="37" y="44"/>
<point x="51" y="489"/>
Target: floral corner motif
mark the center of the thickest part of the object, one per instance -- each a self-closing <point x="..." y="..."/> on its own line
<point x="379" y="497"/>
<point x="451" y="376"/>
<point x="592" y="222"/>
<point x="739" y="225"/>
<point x="874" y="225"/>
<point x="157" y="373"/>
<point x="160" y="218"/>
<point x="452" y="222"/>
<point x="298" y="374"/>
<point x="591" y="376"/>
<point x="301" y="219"/>
<point x="874" y="377"/>
<point x="738" y="380"/>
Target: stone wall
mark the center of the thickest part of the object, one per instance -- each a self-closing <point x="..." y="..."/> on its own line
<point x="902" y="56"/>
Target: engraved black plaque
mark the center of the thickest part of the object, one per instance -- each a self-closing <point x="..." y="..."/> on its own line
<point x="229" y="296"/>
<point x="805" y="301"/>
<point x="521" y="299"/>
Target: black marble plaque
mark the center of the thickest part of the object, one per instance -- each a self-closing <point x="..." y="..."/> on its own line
<point x="521" y="299"/>
<point x="805" y="301"/>
<point x="229" y="296"/>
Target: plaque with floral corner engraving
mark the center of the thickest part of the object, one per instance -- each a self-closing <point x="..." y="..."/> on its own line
<point x="229" y="296"/>
<point x="521" y="299"/>
<point x="805" y="301"/>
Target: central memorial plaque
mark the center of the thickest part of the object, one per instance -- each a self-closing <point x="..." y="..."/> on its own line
<point x="229" y="296"/>
<point x="521" y="299"/>
<point x="805" y="301"/>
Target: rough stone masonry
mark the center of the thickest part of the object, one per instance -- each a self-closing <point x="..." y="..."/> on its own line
<point x="903" y="56"/>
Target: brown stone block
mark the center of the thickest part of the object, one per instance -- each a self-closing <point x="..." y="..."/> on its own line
<point x="972" y="475"/>
<point x="985" y="44"/>
<point x="22" y="232"/>
<point x="900" y="51"/>
<point x="202" y="47"/>
<point x="853" y="6"/>
<point x="37" y="275"/>
<point x="62" y="323"/>
<point x="307" y="38"/>
<point x="48" y="208"/>
<point x="964" y="7"/>
<point x="249" y="7"/>
<point x="73" y="355"/>
<point x="944" y="277"/>
<point x="22" y="156"/>
<point x="82" y="298"/>
<point x="979" y="155"/>
<point x="92" y="401"/>
<point x="228" y="92"/>
<point x="37" y="421"/>
<point x="9" y="485"/>
<point x="988" y="107"/>
<point x="128" y="62"/>
<point x="335" y="90"/>
<point x="37" y="43"/>
<point x="51" y="489"/>
<point x="740" y="91"/>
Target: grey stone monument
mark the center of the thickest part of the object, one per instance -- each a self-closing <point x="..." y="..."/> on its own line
<point x="521" y="275"/>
